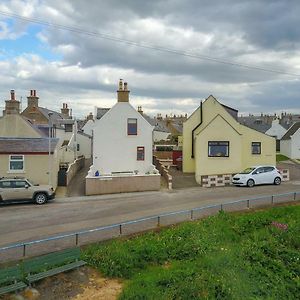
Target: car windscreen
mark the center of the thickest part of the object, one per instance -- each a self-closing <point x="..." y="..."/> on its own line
<point x="247" y="171"/>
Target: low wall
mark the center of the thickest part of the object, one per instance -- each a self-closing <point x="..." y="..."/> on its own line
<point x="121" y="184"/>
<point x="294" y="169"/>
<point x="163" y="171"/>
<point x="225" y="180"/>
<point x="163" y="154"/>
<point x="74" y="167"/>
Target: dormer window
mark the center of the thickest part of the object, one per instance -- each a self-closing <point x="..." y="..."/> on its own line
<point x="131" y="126"/>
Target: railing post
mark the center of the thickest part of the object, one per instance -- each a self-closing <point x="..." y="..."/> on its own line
<point x="272" y="199"/>
<point x="248" y="203"/>
<point x="24" y="250"/>
<point x="76" y="239"/>
<point x="158" y="221"/>
<point x="191" y="214"/>
<point x="295" y="196"/>
<point x="221" y="207"/>
<point x="120" y="228"/>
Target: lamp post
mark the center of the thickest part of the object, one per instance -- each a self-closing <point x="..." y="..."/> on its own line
<point x="49" y="148"/>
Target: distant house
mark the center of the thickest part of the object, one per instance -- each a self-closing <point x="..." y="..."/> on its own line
<point x="290" y="142"/>
<point x="72" y="142"/>
<point x="215" y="143"/>
<point x="277" y="131"/>
<point x="122" y="150"/>
<point x="24" y="149"/>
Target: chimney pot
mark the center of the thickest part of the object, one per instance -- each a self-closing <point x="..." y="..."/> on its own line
<point x="121" y="85"/>
<point x="125" y="86"/>
<point x="12" y="95"/>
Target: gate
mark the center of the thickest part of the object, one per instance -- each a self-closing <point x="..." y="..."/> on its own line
<point x="62" y="177"/>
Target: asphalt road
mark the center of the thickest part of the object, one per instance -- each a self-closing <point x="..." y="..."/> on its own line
<point x="25" y="222"/>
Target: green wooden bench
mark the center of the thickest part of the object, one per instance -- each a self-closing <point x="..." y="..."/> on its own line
<point x="11" y="280"/>
<point x="51" y="264"/>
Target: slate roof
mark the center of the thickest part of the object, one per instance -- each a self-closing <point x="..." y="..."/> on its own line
<point x="101" y="112"/>
<point x="26" y="145"/>
<point x="291" y="131"/>
<point x="255" y="123"/>
<point x="159" y="125"/>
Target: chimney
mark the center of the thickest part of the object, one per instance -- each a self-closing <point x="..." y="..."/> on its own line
<point x="33" y="99"/>
<point x="65" y="111"/>
<point x="140" y="110"/>
<point x="123" y="93"/>
<point x="90" y="117"/>
<point x="12" y="106"/>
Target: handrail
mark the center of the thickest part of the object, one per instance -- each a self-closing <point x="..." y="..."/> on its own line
<point x="119" y="225"/>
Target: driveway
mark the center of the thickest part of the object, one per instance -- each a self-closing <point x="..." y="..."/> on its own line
<point x="28" y="221"/>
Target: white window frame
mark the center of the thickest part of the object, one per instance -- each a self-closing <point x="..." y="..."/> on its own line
<point x="14" y="170"/>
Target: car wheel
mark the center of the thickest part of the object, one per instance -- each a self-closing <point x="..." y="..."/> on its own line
<point x="277" y="181"/>
<point x="250" y="183"/>
<point x="40" y="198"/>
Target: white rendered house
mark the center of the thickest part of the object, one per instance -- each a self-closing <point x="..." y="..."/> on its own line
<point x="290" y="142"/>
<point x="276" y="130"/>
<point x="122" y="141"/>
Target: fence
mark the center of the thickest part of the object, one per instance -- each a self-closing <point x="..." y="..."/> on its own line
<point x="55" y="243"/>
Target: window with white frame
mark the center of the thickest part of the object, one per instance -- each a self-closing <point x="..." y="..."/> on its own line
<point x="16" y="163"/>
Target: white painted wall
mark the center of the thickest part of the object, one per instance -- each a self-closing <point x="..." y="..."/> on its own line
<point x="276" y="130"/>
<point x="85" y="144"/>
<point x="160" y="135"/>
<point x="88" y="127"/>
<point x="285" y="147"/>
<point x="295" y="144"/>
<point x="113" y="149"/>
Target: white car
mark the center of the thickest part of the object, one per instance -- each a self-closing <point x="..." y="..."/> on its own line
<point x="258" y="175"/>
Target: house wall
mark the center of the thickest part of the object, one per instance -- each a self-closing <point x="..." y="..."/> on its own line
<point x="188" y="164"/>
<point x="286" y="147"/>
<point x="35" y="168"/>
<point x="85" y="145"/>
<point x="295" y="143"/>
<point x="88" y="127"/>
<point x="219" y="125"/>
<point x="205" y="165"/>
<point x="16" y="126"/>
<point x="113" y="149"/>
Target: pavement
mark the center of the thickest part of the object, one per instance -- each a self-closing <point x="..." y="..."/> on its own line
<point x="25" y="222"/>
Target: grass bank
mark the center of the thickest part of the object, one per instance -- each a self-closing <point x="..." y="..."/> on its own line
<point x="229" y="256"/>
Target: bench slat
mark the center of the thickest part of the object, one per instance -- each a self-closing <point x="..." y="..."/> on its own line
<point x="51" y="272"/>
<point x="13" y="287"/>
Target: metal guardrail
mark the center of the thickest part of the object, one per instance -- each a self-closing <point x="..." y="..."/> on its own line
<point x="155" y="221"/>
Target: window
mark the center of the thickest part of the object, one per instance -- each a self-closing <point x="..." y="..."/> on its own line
<point x="140" y="153"/>
<point x="20" y="184"/>
<point x="268" y="169"/>
<point x="5" y="185"/>
<point x="132" y="126"/>
<point x="256" y="147"/>
<point x="218" y="149"/>
<point x="16" y="163"/>
<point x="78" y="147"/>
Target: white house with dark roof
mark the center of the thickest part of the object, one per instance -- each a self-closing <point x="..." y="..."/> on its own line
<point x="290" y="142"/>
<point x="122" y="150"/>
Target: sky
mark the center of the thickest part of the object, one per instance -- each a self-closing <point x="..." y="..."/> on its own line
<point x="83" y="69"/>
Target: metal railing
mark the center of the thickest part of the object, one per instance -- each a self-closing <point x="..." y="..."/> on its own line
<point x="79" y="238"/>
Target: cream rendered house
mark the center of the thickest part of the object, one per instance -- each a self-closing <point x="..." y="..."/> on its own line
<point x="122" y="151"/>
<point x="290" y="142"/>
<point x="24" y="149"/>
<point x="215" y="143"/>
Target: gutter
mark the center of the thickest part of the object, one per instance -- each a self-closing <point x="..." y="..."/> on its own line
<point x="201" y="120"/>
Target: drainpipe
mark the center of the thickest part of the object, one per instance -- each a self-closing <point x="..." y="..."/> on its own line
<point x="201" y="120"/>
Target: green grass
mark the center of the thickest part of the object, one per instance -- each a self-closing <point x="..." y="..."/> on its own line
<point x="281" y="157"/>
<point x="228" y="256"/>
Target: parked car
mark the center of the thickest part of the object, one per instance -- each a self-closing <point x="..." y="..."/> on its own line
<point x="17" y="188"/>
<point x="258" y="175"/>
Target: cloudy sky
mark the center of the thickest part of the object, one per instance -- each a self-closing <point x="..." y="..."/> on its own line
<point x="83" y="69"/>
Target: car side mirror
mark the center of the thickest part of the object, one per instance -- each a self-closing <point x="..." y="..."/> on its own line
<point x="254" y="173"/>
<point x="26" y="186"/>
